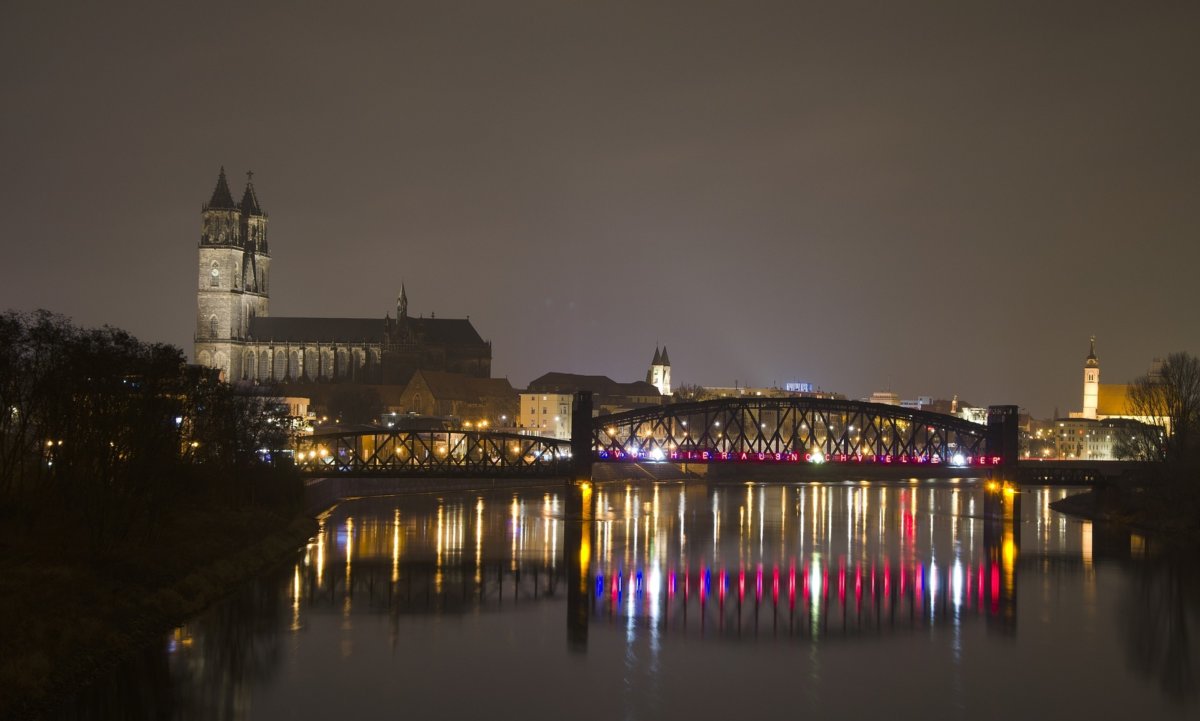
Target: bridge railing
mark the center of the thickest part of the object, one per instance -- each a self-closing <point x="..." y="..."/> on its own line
<point x="433" y="453"/>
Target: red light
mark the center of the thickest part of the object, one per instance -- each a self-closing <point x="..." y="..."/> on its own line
<point x="842" y="582"/>
<point x="792" y="586"/>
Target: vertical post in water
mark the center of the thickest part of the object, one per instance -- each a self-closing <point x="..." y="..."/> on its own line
<point x="577" y="526"/>
<point x="1002" y="524"/>
<point x="581" y="437"/>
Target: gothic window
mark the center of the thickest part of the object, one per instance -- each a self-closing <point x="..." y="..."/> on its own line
<point x="310" y="364"/>
<point x="251" y="366"/>
<point x="280" y="365"/>
<point x="212" y="326"/>
<point x="293" y="365"/>
<point x="214" y="276"/>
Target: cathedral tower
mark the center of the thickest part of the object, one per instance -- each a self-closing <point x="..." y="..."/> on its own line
<point x="233" y="277"/>
<point x="1091" y="383"/>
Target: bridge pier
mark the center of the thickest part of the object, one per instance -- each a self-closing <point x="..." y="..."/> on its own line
<point x="581" y="437"/>
<point x="577" y="547"/>
<point x="1002" y="433"/>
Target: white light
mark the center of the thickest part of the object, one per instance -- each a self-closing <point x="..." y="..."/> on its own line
<point x="958" y="460"/>
<point x="656" y="454"/>
<point x="818" y="457"/>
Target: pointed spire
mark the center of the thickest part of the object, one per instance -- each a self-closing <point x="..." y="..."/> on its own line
<point x="657" y="357"/>
<point x="402" y="303"/>
<point x="221" y="197"/>
<point x="665" y="360"/>
<point x="1091" y="359"/>
<point x="250" y="204"/>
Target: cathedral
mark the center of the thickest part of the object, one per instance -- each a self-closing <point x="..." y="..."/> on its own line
<point x="236" y="334"/>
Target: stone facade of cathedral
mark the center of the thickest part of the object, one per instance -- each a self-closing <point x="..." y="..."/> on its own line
<point x="236" y="334"/>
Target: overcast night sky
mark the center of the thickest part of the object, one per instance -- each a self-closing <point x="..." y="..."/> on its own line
<point x="931" y="198"/>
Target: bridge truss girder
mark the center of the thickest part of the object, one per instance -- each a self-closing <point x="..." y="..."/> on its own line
<point x="756" y="425"/>
<point x="433" y="453"/>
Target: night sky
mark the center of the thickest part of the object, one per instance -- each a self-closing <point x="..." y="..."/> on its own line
<point x="935" y="199"/>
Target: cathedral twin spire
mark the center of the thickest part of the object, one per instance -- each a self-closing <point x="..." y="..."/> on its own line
<point x="222" y="199"/>
<point x="659" y="374"/>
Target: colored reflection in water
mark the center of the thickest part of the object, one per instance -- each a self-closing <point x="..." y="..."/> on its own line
<point x="807" y="561"/>
<point x="657" y="588"/>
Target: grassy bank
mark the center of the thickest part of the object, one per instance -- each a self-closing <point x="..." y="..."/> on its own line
<point x="67" y="613"/>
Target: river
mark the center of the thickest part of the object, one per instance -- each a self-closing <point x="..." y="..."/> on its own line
<point x="848" y="600"/>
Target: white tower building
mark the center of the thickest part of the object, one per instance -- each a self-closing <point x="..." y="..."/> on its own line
<point x="659" y="374"/>
<point x="1091" y="383"/>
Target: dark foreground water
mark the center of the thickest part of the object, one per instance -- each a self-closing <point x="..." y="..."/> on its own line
<point x="760" y="601"/>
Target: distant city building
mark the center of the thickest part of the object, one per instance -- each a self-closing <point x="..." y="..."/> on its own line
<point x="974" y="414"/>
<point x="709" y="392"/>
<point x="659" y="374"/>
<point x="608" y="396"/>
<point x="480" y="402"/>
<point x="546" y="414"/>
<point x="236" y="334"/>
<point x="887" y="398"/>
<point x="951" y="407"/>
<point x="1096" y="440"/>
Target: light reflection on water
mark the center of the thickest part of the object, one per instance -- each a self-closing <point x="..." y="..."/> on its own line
<point x="649" y="599"/>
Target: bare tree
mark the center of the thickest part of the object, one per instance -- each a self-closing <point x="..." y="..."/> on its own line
<point x="1170" y="401"/>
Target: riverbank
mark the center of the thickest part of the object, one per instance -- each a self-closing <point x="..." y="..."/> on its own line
<point x="1107" y="506"/>
<point x="68" y="615"/>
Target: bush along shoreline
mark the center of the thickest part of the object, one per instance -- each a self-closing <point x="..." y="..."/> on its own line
<point x="135" y="489"/>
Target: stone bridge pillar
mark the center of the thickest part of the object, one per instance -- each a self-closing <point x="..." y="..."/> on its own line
<point x="581" y="437"/>
<point x="1002" y="438"/>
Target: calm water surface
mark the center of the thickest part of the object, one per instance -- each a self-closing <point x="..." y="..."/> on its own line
<point x="670" y="601"/>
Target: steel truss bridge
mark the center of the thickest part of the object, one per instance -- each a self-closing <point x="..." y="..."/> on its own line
<point x="386" y="452"/>
<point x="727" y="430"/>
<point x="789" y="430"/>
